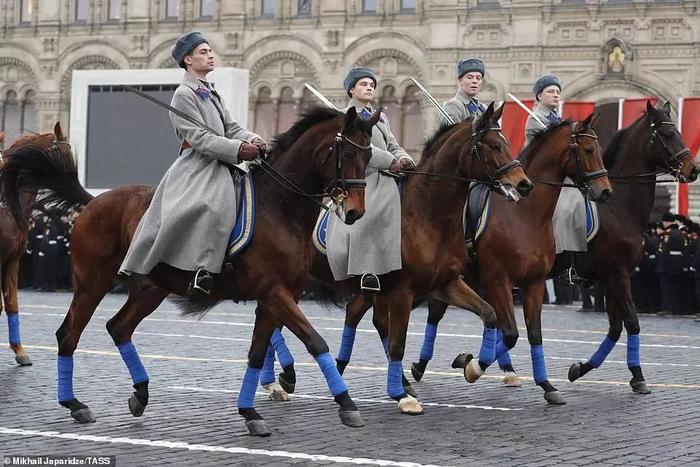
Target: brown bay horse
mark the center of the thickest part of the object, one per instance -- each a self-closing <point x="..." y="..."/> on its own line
<point x="517" y="248"/>
<point x="323" y="149"/>
<point x="432" y="244"/>
<point x="13" y="243"/>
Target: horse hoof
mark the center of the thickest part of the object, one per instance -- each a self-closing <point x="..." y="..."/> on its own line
<point x="554" y="398"/>
<point x="257" y="428"/>
<point x="461" y="360"/>
<point x="83" y="415"/>
<point x="351" y="418"/>
<point x="287" y="386"/>
<point x="410" y="405"/>
<point x="23" y="360"/>
<point x="472" y="372"/>
<point x="409" y="390"/>
<point x="135" y="406"/>
<point x="575" y="372"/>
<point x="416" y="372"/>
<point x="511" y="379"/>
<point x="640" y="387"/>
<point x="276" y="393"/>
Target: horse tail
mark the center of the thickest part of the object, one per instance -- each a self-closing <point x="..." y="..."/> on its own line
<point x="196" y="309"/>
<point x="51" y="173"/>
<point x="325" y="296"/>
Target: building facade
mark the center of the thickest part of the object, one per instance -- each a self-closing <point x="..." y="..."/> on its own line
<point x="602" y="50"/>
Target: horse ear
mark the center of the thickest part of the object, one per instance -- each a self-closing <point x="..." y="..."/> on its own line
<point x="58" y="132"/>
<point x="498" y="113"/>
<point x="594" y="120"/>
<point x="586" y="123"/>
<point x="667" y="108"/>
<point x="650" y="107"/>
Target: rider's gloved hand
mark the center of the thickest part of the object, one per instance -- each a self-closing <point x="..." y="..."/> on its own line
<point x="248" y="152"/>
<point x="394" y="167"/>
<point x="259" y="142"/>
<point x="407" y="163"/>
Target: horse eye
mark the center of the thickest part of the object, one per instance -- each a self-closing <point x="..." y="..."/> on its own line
<point x="495" y="146"/>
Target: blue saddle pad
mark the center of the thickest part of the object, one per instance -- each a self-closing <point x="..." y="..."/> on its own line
<point x="592" y="220"/>
<point x="245" y="219"/>
<point x="321" y="230"/>
<point x="477" y="212"/>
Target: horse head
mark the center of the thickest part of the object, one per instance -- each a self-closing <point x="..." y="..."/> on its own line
<point x="666" y="144"/>
<point x="490" y="151"/>
<point x="585" y="163"/>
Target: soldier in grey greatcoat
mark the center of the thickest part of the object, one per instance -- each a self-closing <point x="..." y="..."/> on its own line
<point x="465" y="104"/>
<point x="372" y="245"/>
<point x="570" y="213"/>
<point x="193" y="210"/>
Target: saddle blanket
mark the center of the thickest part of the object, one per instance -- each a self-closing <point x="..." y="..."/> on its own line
<point x="477" y="212"/>
<point x="321" y="229"/>
<point x="243" y="229"/>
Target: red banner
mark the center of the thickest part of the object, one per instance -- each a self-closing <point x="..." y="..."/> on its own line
<point x="577" y="111"/>
<point x="513" y="124"/>
<point x="632" y="109"/>
<point x="690" y="130"/>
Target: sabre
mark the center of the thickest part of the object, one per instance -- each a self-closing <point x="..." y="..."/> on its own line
<point x="433" y="101"/>
<point x="524" y="107"/>
<point x="320" y="96"/>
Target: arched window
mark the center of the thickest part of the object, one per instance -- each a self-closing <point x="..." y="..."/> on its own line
<point x="287" y="113"/>
<point x="308" y="100"/>
<point x="264" y="114"/>
<point x="412" y="128"/>
<point x="11" y="117"/>
<point x="391" y="106"/>
<point x="29" y="117"/>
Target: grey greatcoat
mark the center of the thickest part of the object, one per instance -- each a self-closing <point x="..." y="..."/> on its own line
<point x="570" y="213"/>
<point x="188" y="223"/>
<point x="461" y="107"/>
<point x="373" y="243"/>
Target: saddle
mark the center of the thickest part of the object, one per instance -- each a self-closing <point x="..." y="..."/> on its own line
<point x="244" y="227"/>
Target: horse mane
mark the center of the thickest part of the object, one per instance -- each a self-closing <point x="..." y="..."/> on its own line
<point x="613" y="147"/>
<point x="444" y="128"/>
<point x="536" y="141"/>
<point x="282" y="142"/>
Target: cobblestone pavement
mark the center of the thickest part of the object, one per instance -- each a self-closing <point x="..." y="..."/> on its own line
<point x="196" y="368"/>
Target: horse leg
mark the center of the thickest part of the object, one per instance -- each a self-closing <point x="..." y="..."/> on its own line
<point x="85" y="300"/>
<point x="262" y="331"/>
<point x="379" y="320"/>
<point x="140" y="304"/>
<point x="459" y="294"/>
<point x="10" y="275"/>
<point x="287" y="380"/>
<point x="287" y="311"/>
<point x="436" y="311"/>
<point x="532" y="305"/>
<point x="510" y="377"/>
<point x="354" y="312"/>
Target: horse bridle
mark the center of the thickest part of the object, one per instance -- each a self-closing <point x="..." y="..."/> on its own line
<point x="338" y="188"/>
<point x="475" y="148"/>
<point x="674" y="163"/>
<point x="582" y="178"/>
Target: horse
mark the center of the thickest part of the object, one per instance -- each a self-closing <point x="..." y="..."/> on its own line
<point x="13" y="244"/>
<point x="432" y="244"/>
<point x="650" y="145"/>
<point x="517" y="247"/>
<point x="324" y="149"/>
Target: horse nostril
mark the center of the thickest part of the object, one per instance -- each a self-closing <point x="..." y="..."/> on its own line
<point x="525" y="187"/>
<point x="604" y="195"/>
<point x="351" y="217"/>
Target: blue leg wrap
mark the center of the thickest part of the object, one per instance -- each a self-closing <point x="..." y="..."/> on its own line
<point x="601" y="354"/>
<point x="394" y="386"/>
<point x="65" y="378"/>
<point x="487" y="352"/>
<point x="538" y="368"/>
<point x="283" y="353"/>
<point x="246" y="399"/>
<point x="13" y="324"/>
<point x="133" y="362"/>
<point x="426" y="352"/>
<point x="502" y="352"/>
<point x="268" y="371"/>
<point x="330" y="372"/>
<point x="346" y="343"/>
<point x="633" y="351"/>
<point x="385" y="344"/>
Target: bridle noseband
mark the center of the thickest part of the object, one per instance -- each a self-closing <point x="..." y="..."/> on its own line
<point x="338" y="188"/>
<point x="582" y="177"/>
<point x="475" y="148"/>
<point x="674" y="163"/>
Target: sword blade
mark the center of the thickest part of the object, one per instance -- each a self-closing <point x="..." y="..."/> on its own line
<point x="172" y="109"/>
<point x="432" y="100"/>
<point x="526" y="109"/>
<point x="320" y="97"/>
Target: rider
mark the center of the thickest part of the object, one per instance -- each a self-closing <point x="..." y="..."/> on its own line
<point x="464" y="105"/>
<point x="372" y="245"/>
<point x="188" y="223"/>
<point x="569" y="219"/>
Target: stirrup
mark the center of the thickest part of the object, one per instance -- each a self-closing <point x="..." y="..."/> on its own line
<point x="124" y="274"/>
<point x="200" y="280"/>
<point x="370" y="283"/>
